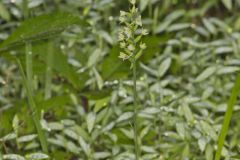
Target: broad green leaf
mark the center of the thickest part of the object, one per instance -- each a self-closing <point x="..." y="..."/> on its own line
<point x="149" y="70"/>
<point x="60" y="65"/>
<point x="202" y="31"/>
<point x="175" y="15"/>
<point x="96" y="94"/>
<point x="101" y="155"/>
<point x="112" y="67"/>
<point x="54" y="102"/>
<point x="205" y="74"/>
<point x="152" y="43"/>
<point x="129" y="133"/>
<point x="101" y="103"/>
<point x="84" y="145"/>
<point x="72" y="147"/>
<point x="36" y="156"/>
<point x="210" y="27"/>
<point x="42" y="27"/>
<point x="221" y="24"/>
<point x="124" y="116"/>
<point x="70" y="133"/>
<point x="143" y="4"/>
<point x="148" y="149"/>
<point x="4" y="12"/>
<point x="180" y="129"/>
<point x="105" y="35"/>
<point x="56" y="142"/>
<point x="222" y="50"/>
<point x="227" y="4"/>
<point x="8" y="137"/>
<point x="164" y="67"/>
<point x="188" y="113"/>
<point x="26" y="138"/>
<point x="91" y="117"/>
<point x="13" y="157"/>
<point x="209" y="130"/>
<point x="99" y="79"/>
<point x="202" y="142"/>
<point x="178" y="27"/>
<point x="227" y="70"/>
<point x="94" y="58"/>
<point x="55" y="126"/>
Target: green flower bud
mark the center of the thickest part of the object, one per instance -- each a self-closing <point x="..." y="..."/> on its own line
<point x="129" y="36"/>
<point x="123" y="13"/>
<point x="139" y="21"/>
<point x="123" y="56"/>
<point x="120" y="36"/>
<point x="143" y="46"/>
<point x="122" y="45"/>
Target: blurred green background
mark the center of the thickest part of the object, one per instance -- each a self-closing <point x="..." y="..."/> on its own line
<point x="84" y="90"/>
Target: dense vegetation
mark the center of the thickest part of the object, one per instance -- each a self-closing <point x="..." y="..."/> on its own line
<point x="66" y="95"/>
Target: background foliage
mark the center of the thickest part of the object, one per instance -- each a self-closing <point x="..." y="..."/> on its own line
<point x="83" y="89"/>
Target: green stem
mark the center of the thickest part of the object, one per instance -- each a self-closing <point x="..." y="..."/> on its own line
<point x="137" y="149"/>
<point x="32" y="104"/>
<point x="48" y="76"/>
<point x="227" y="118"/>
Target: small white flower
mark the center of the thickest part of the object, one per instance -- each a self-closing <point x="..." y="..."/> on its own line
<point x="127" y="32"/>
<point x="123" y="56"/>
<point x="131" y="47"/>
<point x="144" y="32"/>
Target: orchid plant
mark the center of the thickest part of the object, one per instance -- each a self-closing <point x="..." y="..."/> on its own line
<point x="130" y="41"/>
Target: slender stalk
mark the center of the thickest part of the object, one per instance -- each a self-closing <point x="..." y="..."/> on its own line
<point x="32" y="104"/>
<point x="137" y="149"/>
<point x="48" y="76"/>
<point x="227" y="118"/>
<point x="29" y="86"/>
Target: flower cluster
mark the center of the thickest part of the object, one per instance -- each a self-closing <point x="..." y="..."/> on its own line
<point x="131" y="33"/>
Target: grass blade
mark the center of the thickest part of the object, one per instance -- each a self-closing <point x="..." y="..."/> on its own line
<point x="32" y="104"/>
<point x="48" y="76"/>
<point x="227" y="118"/>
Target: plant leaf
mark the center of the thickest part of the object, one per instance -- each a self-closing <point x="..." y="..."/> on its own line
<point x="42" y="27"/>
<point x="227" y="4"/>
<point x="205" y="74"/>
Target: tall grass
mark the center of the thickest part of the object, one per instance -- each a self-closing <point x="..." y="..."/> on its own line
<point x="29" y="86"/>
<point x="227" y="118"/>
